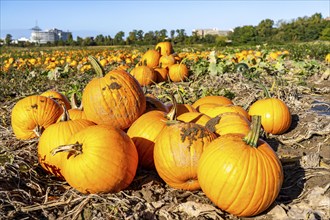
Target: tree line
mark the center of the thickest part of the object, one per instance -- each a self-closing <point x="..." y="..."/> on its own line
<point x="302" y="29"/>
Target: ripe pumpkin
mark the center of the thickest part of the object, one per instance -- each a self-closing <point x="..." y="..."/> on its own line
<point x="32" y="115"/>
<point x="229" y="122"/>
<point x="144" y="75"/>
<point x="241" y="174"/>
<point x="165" y="48"/>
<point x="152" y="103"/>
<point x="99" y="159"/>
<point x="217" y="110"/>
<point x="165" y="61"/>
<point x="194" y="117"/>
<point x="182" y="108"/>
<point x="219" y="100"/>
<point x="275" y="115"/>
<point x="55" y="135"/>
<point x="177" y="151"/>
<point x="178" y="72"/>
<point x="116" y="99"/>
<point x="58" y="97"/>
<point x="150" y="58"/>
<point x="144" y="132"/>
<point x="76" y="112"/>
<point x="162" y="74"/>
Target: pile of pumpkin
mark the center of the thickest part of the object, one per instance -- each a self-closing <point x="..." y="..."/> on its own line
<point x="210" y="145"/>
<point x="159" y="65"/>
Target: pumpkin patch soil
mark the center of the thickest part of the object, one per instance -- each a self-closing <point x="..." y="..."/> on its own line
<point x="27" y="192"/>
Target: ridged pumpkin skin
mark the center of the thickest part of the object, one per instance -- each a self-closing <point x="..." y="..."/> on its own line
<point x="219" y="100"/>
<point x="116" y="99"/>
<point x="144" y="132"/>
<point x="32" y="115"/>
<point x="229" y="122"/>
<point x="108" y="161"/>
<point x="177" y="151"/>
<point x="76" y="113"/>
<point x="238" y="178"/>
<point x="275" y="115"/>
<point x="55" y="135"/>
<point x="57" y="96"/>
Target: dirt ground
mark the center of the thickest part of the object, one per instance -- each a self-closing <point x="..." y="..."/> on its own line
<point x="27" y="192"/>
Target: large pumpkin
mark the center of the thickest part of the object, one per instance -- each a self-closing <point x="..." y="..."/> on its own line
<point x="212" y="99"/>
<point x="177" y="151"/>
<point x="99" y="159"/>
<point x="275" y="115"/>
<point x="55" y="135"/>
<point x="150" y="58"/>
<point x="32" y="115"/>
<point x="115" y="99"/>
<point x="241" y="174"/>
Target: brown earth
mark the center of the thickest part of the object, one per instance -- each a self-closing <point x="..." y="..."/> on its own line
<point x="27" y="192"/>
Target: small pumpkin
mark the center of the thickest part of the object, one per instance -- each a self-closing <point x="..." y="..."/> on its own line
<point x="150" y="58"/>
<point x="32" y="115"/>
<point x="165" y="61"/>
<point x="178" y="72"/>
<point x="275" y="115"/>
<point x="177" y="151"/>
<point x="115" y="99"/>
<point x="240" y="173"/>
<point x="144" y="75"/>
<point x="217" y="110"/>
<point x="194" y="117"/>
<point x="99" y="159"/>
<point x="165" y="48"/>
<point x="162" y="74"/>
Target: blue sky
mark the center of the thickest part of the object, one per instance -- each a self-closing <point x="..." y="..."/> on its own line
<point x="90" y="18"/>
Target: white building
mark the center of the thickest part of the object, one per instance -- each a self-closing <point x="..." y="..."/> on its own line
<point x="51" y="35"/>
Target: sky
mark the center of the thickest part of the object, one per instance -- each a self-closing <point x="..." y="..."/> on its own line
<point x="107" y="17"/>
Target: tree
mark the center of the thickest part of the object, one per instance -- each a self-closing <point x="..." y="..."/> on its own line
<point x="244" y="35"/>
<point x="265" y="30"/>
<point x="8" y="39"/>
<point x="118" y="40"/>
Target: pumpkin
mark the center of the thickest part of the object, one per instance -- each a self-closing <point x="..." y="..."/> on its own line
<point x="229" y="122"/>
<point x="194" y="117"/>
<point x="144" y="132"/>
<point x="217" y="110"/>
<point x="150" y="58"/>
<point x="165" y="61"/>
<point x="144" y="75"/>
<point x="165" y="48"/>
<point x="275" y="115"/>
<point x="162" y="74"/>
<point x="115" y="99"/>
<point x="55" y="135"/>
<point x="76" y="112"/>
<point x="241" y="174"/>
<point x="58" y="97"/>
<point x="32" y="115"/>
<point x="182" y="108"/>
<point x="219" y="100"/>
<point x="177" y="151"/>
<point x="99" y="159"/>
<point x="178" y="72"/>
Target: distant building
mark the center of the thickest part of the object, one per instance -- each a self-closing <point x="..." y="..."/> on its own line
<point x="213" y="31"/>
<point x="51" y="35"/>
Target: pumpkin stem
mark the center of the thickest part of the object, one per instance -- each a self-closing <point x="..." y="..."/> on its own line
<point x="97" y="66"/>
<point x="72" y="149"/>
<point x="65" y="115"/>
<point x="74" y="101"/>
<point x="38" y="130"/>
<point x="266" y="92"/>
<point x="171" y="116"/>
<point x="253" y="136"/>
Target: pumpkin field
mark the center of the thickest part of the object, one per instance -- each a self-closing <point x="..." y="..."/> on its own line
<point x="165" y="132"/>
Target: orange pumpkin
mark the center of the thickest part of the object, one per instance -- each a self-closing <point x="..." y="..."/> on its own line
<point x="55" y="135"/>
<point x="162" y="74"/>
<point x="194" y="117"/>
<point x="229" y="122"/>
<point x="217" y="110"/>
<point x="165" y="48"/>
<point x="32" y="115"/>
<point x="152" y="103"/>
<point x="177" y="151"/>
<point x="144" y="75"/>
<point x="76" y="112"/>
<point x="219" y="100"/>
<point x="116" y="99"/>
<point x="178" y="72"/>
<point x="99" y="159"/>
<point x="58" y="97"/>
<point x="150" y="58"/>
<point x="241" y="174"/>
<point x="165" y="61"/>
<point x="275" y="115"/>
